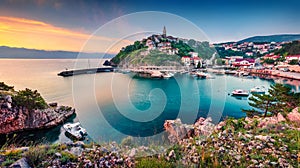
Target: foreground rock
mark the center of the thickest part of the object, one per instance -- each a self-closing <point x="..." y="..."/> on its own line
<point x="21" y="163"/>
<point x="231" y="143"/>
<point x="13" y="119"/>
<point x="178" y="131"/>
<point x="246" y="142"/>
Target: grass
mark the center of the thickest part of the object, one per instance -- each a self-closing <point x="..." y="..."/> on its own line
<point x="67" y="157"/>
<point x="36" y="155"/>
<point x="153" y="163"/>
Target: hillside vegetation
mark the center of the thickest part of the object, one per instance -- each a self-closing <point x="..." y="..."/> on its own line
<point x="292" y="48"/>
<point x="153" y="57"/>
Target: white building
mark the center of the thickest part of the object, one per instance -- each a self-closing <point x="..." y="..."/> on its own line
<point x="193" y="54"/>
<point x="186" y="60"/>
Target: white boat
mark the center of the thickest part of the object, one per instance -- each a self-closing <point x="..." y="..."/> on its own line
<point x="202" y="75"/>
<point x="240" y="92"/>
<point x="156" y="74"/>
<point x="168" y="75"/>
<point x="258" y="90"/>
<point x="75" y="130"/>
<point x="230" y="72"/>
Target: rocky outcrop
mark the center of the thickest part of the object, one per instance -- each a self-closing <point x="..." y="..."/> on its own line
<point x="294" y="116"/>
<point x="178" y="131"/>
<point x="14" y="119"/>
<point x="245" y="142"/>
<point x="271" y="120"/>
<point x="21" y="163"/>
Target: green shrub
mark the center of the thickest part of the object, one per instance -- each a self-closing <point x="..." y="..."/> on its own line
<point x="67" y="157"/>
<point x="7" y="162"/>
<point x="36" y="155"/>
<point x="29" y="99"/>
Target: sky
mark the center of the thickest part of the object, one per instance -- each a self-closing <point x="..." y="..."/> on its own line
<point x="68" y="24"/>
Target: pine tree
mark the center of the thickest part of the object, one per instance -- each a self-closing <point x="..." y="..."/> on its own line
<point x="280" y="99"/>
<point x="262" y="102"/>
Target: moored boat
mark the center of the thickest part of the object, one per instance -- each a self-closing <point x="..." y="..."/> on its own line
<point x="258" y="90"/>
<point x="167" y="75"/>
<point x="75" y="130"/>
<point x="201" y="75"/>
<point x="240" y="92"/>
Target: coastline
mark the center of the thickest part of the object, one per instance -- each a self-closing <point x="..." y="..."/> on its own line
<point x="18" y="119"/>
<point x="230" y="143"/>
<point x="276" y="73"/>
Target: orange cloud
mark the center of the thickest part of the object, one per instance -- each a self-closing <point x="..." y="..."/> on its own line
<point x="19" y="32"/>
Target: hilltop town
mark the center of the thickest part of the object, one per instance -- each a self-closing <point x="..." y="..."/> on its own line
<point x="195" y="54"/>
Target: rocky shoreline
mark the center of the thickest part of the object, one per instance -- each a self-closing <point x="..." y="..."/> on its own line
<point x="246" y="142"/>
<point x="17" y="119"/>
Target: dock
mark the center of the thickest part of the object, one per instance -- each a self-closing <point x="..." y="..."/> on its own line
<point x="68" y="73"/>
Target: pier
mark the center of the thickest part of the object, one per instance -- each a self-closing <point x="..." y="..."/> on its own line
<point x="84" y="71"/>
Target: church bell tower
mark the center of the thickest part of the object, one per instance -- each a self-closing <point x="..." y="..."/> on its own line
<point x="164" y="32"/>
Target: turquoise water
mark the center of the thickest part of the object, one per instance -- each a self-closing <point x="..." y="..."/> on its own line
<point x="112" y="106"/>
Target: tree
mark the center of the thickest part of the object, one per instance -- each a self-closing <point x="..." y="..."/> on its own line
<point x="5" y="87"/>
<point x="29" y="99"/>
<point x="261" y="102"/>
<point x="280" y="99"/>
<point x="269" y="61"/>
<point x="219" y="61"/>
<point x="293" y="62"/>
<point x="199" y="65"/>
<point x="284" y="98"/>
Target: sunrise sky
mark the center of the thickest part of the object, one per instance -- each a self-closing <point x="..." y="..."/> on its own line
<point x="67" y="25"/>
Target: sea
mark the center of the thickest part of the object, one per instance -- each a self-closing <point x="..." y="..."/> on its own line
<point x="112" y="106"/>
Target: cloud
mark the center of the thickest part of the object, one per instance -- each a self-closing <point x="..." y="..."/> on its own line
<point x="20" y="32"/>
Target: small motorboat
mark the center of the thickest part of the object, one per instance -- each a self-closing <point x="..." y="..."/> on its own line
<point x="258" y="90"/>
<point x="201" y="75"/>
<point x="75" y="130"/>
<point x="240" y="92"/>
<point x="166" y="76"/>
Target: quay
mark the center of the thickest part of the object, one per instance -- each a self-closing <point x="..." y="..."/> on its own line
<point x="276" y="73"/>
<point x="154" y="71"/>
<point x="84" y="71"/>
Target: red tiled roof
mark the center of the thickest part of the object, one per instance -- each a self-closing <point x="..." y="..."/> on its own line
<point x="293" y="56"/>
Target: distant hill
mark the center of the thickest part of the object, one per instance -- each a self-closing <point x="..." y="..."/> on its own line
<point x="10" y="52"/>
<point x="272" y="38"/>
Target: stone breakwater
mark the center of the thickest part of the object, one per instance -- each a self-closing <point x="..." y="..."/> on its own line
<point x="14" y="119"/>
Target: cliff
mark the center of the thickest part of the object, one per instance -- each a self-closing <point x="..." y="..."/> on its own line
<point x="14" y="119"/>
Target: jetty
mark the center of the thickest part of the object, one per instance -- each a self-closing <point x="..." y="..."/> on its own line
<point x="85" y="71"/>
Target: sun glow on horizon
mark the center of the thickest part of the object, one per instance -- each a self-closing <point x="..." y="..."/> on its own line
<point x="20" y="32"/>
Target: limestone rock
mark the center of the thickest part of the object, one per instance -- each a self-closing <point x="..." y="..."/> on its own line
<point x="21" y="163"/>
<point x="294" y="116"/>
